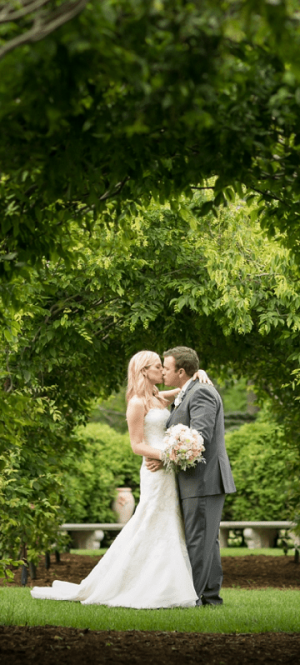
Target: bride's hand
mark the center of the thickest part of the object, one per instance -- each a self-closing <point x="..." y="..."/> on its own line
<point x="202" y="377"/>
<point x="153" y="464"/>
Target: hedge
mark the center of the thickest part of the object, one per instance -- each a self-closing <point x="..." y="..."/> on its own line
<point x="106" y="462"/>
<point x="260" y="459"/>
<point x="261" y="464"/>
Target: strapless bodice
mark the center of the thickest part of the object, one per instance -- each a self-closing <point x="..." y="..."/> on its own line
<point x="155" y="427"/>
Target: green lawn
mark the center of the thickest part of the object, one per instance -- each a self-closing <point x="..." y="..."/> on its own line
<point x="244" y="611"/>
<point x="90" y="552"/>
<point x="226" y="551"/>
<point x="244" y="551"/>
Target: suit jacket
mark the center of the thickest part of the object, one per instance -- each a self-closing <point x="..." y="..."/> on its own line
<point x="202" y="409"/>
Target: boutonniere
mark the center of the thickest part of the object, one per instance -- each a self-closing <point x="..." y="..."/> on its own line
<point x="178" y="399"/>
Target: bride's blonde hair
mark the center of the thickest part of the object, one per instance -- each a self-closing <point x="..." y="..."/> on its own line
<point x="138" y="383"/>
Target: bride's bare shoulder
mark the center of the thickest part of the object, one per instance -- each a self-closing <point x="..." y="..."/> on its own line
<point x="135" y="405"/>
<point x="136" y="400"/>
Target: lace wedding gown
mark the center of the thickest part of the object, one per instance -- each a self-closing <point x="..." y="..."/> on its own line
<point x="147" y="566"/>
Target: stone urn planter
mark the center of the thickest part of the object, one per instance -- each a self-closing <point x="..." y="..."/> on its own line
<point x="124" y="504"/>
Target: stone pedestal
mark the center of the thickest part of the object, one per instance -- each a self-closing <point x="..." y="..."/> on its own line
<point x="260" y="537"/>
<point x="295" y="538"/>
<point x="223" y="537"/>
<point x="87" y="540"/>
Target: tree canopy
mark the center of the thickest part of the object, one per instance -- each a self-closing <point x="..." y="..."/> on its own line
<point x="169" y="276"/>
<point x="149" y="97"/>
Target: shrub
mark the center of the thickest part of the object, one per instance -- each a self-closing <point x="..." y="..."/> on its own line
<point x="106" y="462"/>
<point x="260" y="461"/>
<point x="31" y="494"/>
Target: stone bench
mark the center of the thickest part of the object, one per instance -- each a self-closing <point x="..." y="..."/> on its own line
<point x="88" y="536"/>
<point x="257" y="534"/>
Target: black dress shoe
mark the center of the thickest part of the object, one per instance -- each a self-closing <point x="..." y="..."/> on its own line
<point x="217" y="601"/>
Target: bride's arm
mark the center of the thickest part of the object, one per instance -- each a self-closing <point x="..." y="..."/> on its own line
<point x="169" y="395"/>
<point x="135" y="420"/>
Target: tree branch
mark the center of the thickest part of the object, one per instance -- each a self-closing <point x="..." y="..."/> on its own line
<point x="44" y="24"/>
<point x="267" y="194"/>
<point x="202" y="188"/>
<point x="7" y="14"/>
<point x="107" y="195"/>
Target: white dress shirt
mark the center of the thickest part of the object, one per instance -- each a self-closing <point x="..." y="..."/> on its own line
<point x="179" y="397"/>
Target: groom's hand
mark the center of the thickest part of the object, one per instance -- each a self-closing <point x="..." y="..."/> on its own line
<point x="153" y="464"/>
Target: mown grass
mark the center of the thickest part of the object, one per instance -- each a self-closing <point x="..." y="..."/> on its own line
<point x="244" y="611"/>
<point x="226" y="551"/>
<point x="102" y="550"/>
<point x="244" y="551"/>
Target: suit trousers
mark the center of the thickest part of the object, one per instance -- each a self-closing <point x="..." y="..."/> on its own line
<point x="202" y="516"/>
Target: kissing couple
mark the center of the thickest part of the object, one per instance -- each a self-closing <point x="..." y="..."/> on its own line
<point x="168" y="554"/>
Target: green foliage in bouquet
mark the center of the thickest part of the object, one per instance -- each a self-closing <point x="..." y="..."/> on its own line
<point x="105" y="463"/>
<point x="261" y="464"/>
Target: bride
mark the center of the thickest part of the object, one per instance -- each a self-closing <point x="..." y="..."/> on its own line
<point x="147" y="565"/>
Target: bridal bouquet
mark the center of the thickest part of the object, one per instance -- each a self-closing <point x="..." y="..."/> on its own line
<point x="184" y="448"/>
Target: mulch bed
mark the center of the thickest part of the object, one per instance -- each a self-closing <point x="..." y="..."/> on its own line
<point x="247" y="572"/>
<point x="51" y="645"/>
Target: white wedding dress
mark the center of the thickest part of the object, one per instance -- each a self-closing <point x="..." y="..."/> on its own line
<point x="147" y="565"/>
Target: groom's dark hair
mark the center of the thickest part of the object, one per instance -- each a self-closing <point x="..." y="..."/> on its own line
<point x="185" y="358"/>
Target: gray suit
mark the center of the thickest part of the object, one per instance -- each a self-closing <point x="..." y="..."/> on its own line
<point x="202" y="489"/>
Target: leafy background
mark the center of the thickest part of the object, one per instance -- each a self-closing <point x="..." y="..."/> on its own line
<point x="149" y="196"/>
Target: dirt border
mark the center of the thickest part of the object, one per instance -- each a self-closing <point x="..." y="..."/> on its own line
<point x="51" y="645"/>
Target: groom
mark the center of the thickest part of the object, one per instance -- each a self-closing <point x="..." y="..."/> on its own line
<point x="202" y="488"/>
